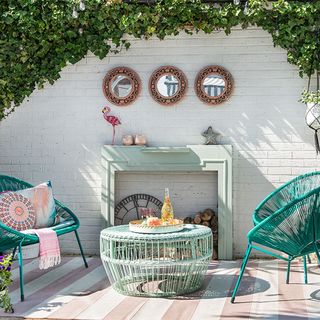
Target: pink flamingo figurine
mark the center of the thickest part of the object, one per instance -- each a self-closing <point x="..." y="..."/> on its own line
<point x="113" y="120"/>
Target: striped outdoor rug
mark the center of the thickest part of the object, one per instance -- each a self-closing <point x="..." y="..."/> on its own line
<point x="70" y="291"/>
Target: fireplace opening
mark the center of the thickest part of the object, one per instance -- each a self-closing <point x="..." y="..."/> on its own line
<point x="190" y="192"/>
<point x="194" y="196"/>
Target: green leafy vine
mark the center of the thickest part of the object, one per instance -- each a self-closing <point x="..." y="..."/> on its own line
<point x="40" y="37"/>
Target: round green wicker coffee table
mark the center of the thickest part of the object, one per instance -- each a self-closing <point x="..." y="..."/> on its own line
<point x="156" y="265"/>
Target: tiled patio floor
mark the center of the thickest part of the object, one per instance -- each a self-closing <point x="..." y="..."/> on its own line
<point x="72" y="292"/>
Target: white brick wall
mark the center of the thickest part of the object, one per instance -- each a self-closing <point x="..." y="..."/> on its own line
<point x="58" y="132"/>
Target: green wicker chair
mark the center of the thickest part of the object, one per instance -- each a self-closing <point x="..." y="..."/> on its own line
<point x="288" y="221"/>
<point x="12" y="239"/>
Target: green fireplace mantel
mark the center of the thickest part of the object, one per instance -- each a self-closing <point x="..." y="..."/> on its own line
<point x="191" y="158"/>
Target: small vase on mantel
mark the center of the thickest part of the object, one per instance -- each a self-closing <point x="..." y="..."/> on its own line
<point x="127" y="140"/>
<point x="167" y="209"/>
<point x="140" y="140"/>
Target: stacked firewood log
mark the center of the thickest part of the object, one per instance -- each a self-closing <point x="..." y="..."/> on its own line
<point x="209" y="219"/>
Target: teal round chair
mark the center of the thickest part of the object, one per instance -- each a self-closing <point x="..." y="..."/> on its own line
<point x="15" y="240"/>
<point x="288" y="222"/>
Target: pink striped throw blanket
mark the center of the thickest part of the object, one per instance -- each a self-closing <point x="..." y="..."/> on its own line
<point x="49" y="253"/>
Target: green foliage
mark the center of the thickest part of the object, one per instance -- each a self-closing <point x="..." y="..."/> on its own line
<point x="5" y="281"/>
<point x="310" y="97"/>
<point x="40" y="37"/>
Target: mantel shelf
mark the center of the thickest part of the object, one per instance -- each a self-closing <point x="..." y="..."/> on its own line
<point x="165" y="150"/>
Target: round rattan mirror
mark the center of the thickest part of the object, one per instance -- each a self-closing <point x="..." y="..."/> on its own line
<point x="168" y="85"/>
<point x="214" y="85"/>
<point x="121" y="86"/>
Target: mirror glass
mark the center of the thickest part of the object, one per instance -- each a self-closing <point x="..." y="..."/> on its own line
<point x="121" y="86"/>
<point x="213" y="85"/>
<point x="168" y="85"/>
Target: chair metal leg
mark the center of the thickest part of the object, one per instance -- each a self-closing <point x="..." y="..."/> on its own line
<point x="21" y="272"/>
<point x="81" y="250"/>
<point x="305" y="269"/>
<point x="288" y="271"/>
<point x="244" y="263"/>
<point x="309" y="260"/>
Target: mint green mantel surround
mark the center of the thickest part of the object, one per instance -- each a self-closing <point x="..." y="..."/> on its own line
<point x="191" y="158"/>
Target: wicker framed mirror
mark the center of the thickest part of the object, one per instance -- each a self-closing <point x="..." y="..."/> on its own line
<point x="168" y="85"/>
<point x="214" y="85"/>
<point x="121" y="86"/>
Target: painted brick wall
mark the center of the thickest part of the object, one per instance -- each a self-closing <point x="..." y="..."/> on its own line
<point x="58" y="132"/>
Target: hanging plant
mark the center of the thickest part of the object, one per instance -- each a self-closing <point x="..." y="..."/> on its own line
<point x="312" y="98"/>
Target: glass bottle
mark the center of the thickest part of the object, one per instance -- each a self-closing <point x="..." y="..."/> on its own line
<point x="167" y="210"/>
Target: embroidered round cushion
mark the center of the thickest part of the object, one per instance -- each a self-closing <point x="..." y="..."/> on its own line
<point x="16" y="211"/>
<point x="40" y="200"/>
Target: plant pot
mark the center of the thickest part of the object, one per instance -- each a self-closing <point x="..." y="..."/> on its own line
<point x="312" y="118"/>
<point x="29" y="252"/>
<point x="312" y="115"/>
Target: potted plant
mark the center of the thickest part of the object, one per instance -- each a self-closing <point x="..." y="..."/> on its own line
<point x="5" y="281"/>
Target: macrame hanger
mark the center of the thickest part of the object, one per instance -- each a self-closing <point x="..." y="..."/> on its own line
<point x="316" y="138"/>
<point x="309" y="82"/>
<point x="317" y="120"/>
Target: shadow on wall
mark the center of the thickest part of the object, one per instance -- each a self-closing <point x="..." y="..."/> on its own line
<point x="250" y="187"/>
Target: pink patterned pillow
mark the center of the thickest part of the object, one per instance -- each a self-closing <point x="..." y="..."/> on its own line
<point x="28" y="208"/>
<point x="17" y="212"/>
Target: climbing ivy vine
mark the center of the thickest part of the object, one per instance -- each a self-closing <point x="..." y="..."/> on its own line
<point x="40" y="37"/>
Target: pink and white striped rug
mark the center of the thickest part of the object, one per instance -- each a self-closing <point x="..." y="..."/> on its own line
<point x="69" y="291"/>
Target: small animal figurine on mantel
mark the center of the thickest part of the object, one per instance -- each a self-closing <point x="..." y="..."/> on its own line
<point x="113" y="120"/>
<point x="211" y="136"/>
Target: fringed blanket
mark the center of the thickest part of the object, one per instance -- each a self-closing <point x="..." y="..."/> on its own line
<point x="49" y="252"/>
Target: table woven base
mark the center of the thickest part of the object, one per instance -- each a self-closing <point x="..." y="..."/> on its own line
<point x="156" y="265"/>
<point x="165" y="285"/>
